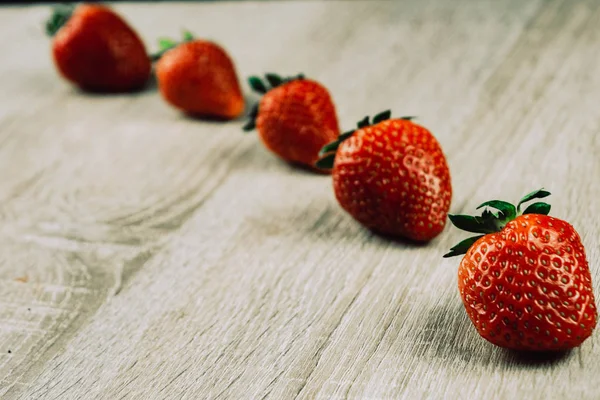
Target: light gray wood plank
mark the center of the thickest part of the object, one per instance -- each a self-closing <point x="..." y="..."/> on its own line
<point x="216" y="271"/>
<point x="46" y="291"/>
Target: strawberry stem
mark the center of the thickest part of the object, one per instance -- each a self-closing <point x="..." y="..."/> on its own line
<point x="60" y="16"/>
<point x="271" y="81"/>
<point x="491" y="222"/>
<point x="166" y="44"/>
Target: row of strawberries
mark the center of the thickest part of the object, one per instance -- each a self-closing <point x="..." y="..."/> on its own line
<point x="524" y="279"/>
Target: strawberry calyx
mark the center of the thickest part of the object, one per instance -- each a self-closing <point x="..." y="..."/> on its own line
<point x="261" y="87"/>
<point x="494" y="221"/>
<point x="327" y="153"/>
<point x="166" y="44"/>
<point x="60" y="16"/>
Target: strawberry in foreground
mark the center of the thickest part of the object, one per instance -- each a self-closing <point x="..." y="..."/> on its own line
<point x="391" y="175"/>
<point x="295" y="117"/>
<point x="199" y="78"/>
<point x="95" y="49"/>
<point x="525" y="281"/>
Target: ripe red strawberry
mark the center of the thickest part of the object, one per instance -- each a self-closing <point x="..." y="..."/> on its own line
<point x="392" y="177"/>
<point x="199" y="78"/>
<point x="96" y="50"/>
<point x="295" y="117"/>
<point x="525" y="282"/>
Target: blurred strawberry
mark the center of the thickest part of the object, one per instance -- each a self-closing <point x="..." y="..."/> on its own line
<point x="391" y="175"/>
<point x="198" y="77"/>
<point x="295" y="117"/>
<point x="97" y="50"/>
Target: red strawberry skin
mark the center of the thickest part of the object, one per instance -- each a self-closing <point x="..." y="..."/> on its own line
<point x="98" y="51"/>
<point x="199" y="78"/>
<point x="528" y="287"/>
<point x="393" y="178"/>
<point x="295" y="120"/>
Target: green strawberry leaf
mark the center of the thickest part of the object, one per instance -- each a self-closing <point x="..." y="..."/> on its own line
<point x="536" y="194"/>
<point x="60" y="16"/>
<point x="253" y="111"/>
<point x="538" y="208"/>
<point x="250" y="125"/>
<point x="345" y="135"/>
<point x="328" y="148"/>
<point x="382" y="116"/>
<point x="326" y="162"/>
<point x="166" y="43"/>
<point x="508" y="210"/>
<point x="333" y="146"/>
<point x="408" y="118"/>
<point x="462" y="247"/>
<point x="363" y="122"/>
<point x="489" y="222"/>
<point x="274" y="80"/>
<point x="257" y="84"/>
<point x="468" y="223"/>
<point x="487" y="214"/>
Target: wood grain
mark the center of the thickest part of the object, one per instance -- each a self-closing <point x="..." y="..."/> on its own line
<point x="148" y="255"/>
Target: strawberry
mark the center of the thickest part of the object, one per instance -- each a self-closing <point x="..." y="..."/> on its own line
<point x="198" y="77"/>
<point x="391" y="176"/>
<point x="525" y="282"/>
<point x="295" y="117"/>
<point x="95" y="49"/>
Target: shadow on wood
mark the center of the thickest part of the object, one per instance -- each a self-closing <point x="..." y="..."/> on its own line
<point x="447" y="334"/>
<point x="150" y="87"/>
<point x="535" y="359"/>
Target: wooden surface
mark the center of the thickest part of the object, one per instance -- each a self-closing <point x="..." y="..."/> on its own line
<point x="145" y="255"/>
